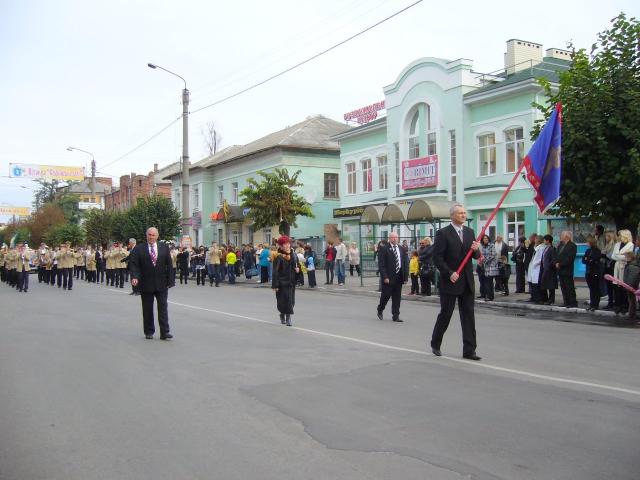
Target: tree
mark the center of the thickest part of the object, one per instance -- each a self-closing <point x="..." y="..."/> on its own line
<point x="98" y="226"/>
<point x="211" y="136"/>
<point x="600" y="95"/>
<point x="273" y="201"/>
<point x="155" y="211"/>
<point x="118" y="226"/>
<point x="46" y="193"/>
<point x="66" y="232"/>
<point x="48" y="216"/>
<point x="69" y="203"/>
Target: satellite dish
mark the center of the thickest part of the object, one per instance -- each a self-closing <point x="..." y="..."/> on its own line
<point x="310" y="197"/>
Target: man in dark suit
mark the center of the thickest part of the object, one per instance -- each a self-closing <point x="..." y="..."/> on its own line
<point x="152" y="273"/>
<point x="393" y="264"/>
<point x="565" y="256"/>
<point x="450" y="246"/>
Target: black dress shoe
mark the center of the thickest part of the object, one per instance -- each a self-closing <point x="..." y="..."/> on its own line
<point x="282" y="320"/>
<point x="167" y="336"/>
<point x="436" y="352"/>
<point x="397" y="320"/>
<point x="379" y="315"/>
<point x="472" y="356"/>
<point x="149" y="337"/>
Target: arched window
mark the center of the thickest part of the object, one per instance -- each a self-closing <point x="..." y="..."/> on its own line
<point x="414" y="136"/>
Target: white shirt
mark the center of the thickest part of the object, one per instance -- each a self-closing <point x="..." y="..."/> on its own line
<point x="459" y="230"/>
<point x="155" y="247"/>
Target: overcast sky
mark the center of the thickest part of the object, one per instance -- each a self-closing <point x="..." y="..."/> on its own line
<point x="74" y="72"/>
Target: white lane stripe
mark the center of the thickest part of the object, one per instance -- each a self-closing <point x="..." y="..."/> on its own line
<point x="468" y="363"/>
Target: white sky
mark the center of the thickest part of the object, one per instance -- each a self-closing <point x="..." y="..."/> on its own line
<point x="74" y="72"/>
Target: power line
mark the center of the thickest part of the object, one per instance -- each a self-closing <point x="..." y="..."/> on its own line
<point x="297" y="65"/>
<point x="138" y="147"/>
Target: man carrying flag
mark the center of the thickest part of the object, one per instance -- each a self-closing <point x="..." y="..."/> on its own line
<point x="543" y="165"/>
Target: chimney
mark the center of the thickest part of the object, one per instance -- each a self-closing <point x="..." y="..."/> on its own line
<point x="558" y="53"/>
<point x="155" y="167"/>
<point x="521" y="55"/>
<point x="133" y="174"/>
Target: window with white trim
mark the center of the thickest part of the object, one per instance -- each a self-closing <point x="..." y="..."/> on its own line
<point x="432" y="143"/>
<point x="367" y="175"/>
<point x="176" y="199"/>
<point x="195" y="191"/>
<point x="514" y="146"/>
<point x="487" y="154"/>
<point x="515" y="227"/>
<point x="381" y="161"/>
<point x="414" y="136"/>
<point x="396" y="152"/>
<point x="351" y="177"/>
<point x="220" y="194"/>
<point x="234" y="193"/>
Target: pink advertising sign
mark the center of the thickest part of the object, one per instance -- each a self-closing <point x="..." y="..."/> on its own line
<point x="420" y="172"/>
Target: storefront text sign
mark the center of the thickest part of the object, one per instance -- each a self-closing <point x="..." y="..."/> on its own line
<point x="365" y="114"/>
<point x="45" y="172"/>
<point x="348" y="212"/>
<point x="420" y="172"/>
<point x="19" y="211"/>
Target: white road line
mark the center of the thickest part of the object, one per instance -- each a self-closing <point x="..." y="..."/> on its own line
<point x="522" y="373"/>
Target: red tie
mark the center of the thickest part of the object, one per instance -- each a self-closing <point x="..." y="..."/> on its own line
<point x="154" y="257"/>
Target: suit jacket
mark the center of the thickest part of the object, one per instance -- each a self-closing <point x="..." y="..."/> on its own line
<point x="548" y="274"/>
<point x="448" y="253"/>
<point x="152" y="279"/>
<point x="387" y="264"/>
<point x="566" y="254"/>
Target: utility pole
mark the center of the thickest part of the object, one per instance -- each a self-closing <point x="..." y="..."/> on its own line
<point x="186" y="212"/>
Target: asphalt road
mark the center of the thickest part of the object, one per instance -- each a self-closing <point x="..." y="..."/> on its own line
<point x="340" y="395"/>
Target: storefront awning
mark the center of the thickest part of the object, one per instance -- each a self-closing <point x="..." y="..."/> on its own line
<point x="428" y="210"/>
<point x="418" y="211"/>
<point x="372" y="215"/>
<point x="394" y="213"/>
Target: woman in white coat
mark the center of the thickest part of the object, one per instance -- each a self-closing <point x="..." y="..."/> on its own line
<point x="533" y="273"/>
<point x="625" y="245"/>
<point x="354" y="258"/>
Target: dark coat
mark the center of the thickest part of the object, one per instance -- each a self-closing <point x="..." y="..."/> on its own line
<point x="528" y="256"/>
<point x="284" y="271"/>
<point x="448" y="253"/>
<point x="425" y="259"/>
<point x="592" y="260"/>
<point x="504" y="251"/>
<point x="387" y="264"/>
<point x="152" y="279"/>
<point x="566" y="255"/>
<point x="183" y="260"/>
<point x="519" y="254"/>
<point x="548" y="274"/>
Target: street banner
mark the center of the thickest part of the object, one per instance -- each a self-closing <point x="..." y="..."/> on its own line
<point x="18" y="211"/>
<point x="420" y="172"/>
<point x="46" y="172"/>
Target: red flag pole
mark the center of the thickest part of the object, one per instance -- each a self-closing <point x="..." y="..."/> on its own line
<point x="491" y="217"/>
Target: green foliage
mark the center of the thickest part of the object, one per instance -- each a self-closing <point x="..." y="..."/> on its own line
<point x="98" y="225"/>
<point x="600" y="95"/>
<point x="46" y="193"/>
<point x="66" y="232"/>
<point x="156" y="211"/>
<point x="69" y="204"/>
<point x="273" y="201"/>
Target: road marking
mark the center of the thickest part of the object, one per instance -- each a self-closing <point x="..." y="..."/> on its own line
<point x="513" y="371"/>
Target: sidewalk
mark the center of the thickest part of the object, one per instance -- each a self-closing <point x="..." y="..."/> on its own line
<point x="511" y="302"/>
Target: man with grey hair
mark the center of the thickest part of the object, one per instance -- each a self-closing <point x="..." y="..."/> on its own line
<point x="394" y="272"/>
<point x="565" y="258"/>
<point x="450" y="246"/>
<point x="131" y="246"/>
<point x="152" y="272"/>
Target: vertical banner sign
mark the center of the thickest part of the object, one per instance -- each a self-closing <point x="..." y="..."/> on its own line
<point x="420" y="172"/>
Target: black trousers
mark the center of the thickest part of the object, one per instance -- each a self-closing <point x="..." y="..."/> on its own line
<point x="414" y="283"/>
<point x="184" y="273"/>
<point x="520" y="277"/>
<point x="351" y="267"/>
<point x="593" y="281"/>
<point x="467" y="320"/>
<point x="53" y="273"/>
<point x="568" y="289"/>
<point x="67" y="277"/>
<point x="393" y="292"/>
<point x="264" y="274"/>
<point x="23" y="281"/>
<point x="328" y="266"/>
<point x="311" y="274"/>
<point x="425" y="284"/>
<point x="147" y="312"/>
<point x="100" y="275"/>
<point x="119" y="273"/>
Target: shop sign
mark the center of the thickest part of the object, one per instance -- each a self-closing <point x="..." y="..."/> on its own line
<point x="185" y="241"/>
<point x="18" y="211"/>
<point x="365" y="114"/>
<point x="348" y="212"/>
<point x="45" y="172"/>
<point x="420" y="172"/>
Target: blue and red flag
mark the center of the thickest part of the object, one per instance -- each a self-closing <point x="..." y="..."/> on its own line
<point x="544" y="163"/>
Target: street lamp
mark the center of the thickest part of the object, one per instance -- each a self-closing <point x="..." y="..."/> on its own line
<point x="93" y="171"/>
<point x="186" y="228"/>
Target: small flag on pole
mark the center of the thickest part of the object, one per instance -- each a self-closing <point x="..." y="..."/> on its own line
<point x="543" y="162"/>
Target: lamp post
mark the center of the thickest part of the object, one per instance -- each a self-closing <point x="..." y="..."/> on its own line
<point x="92" y="183"/>
<point x="186" y="213"/>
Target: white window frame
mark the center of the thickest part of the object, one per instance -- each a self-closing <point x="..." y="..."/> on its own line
<point x="414" y="136"/>
<point x="336" y="184"/>
<point x="176" y="199"/>
<point x="195" y="194"/>
<point x="220" y="195"/>
<point x="367" y="174"/>
<point x="479" y="149"/>
<point x="351" y="178"/>
<point x="383" y="171"/>
<point x="517" y="150"/>
<point x="453" y="165"/>
<point x="234" y="193"/>
<point x="517" y="222"/>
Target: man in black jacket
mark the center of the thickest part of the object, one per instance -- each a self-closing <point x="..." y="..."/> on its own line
<point x="565" y="256"/>
<point x="394" y="272"/>
<point x="449" y="249"/>
<point x="152" y="272"/>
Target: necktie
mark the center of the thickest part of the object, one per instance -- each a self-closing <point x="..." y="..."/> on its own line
<point x="154" y="257"/>
<point x="460" y="235"/>
<point x="395" y="252"/>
